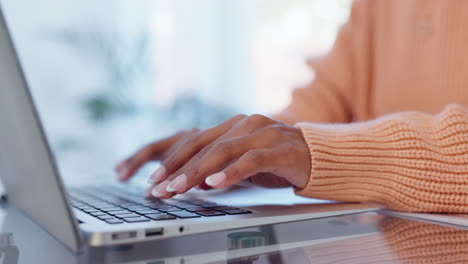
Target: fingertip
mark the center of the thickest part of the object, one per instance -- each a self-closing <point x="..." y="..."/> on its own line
<point x="157" y="176"/>
<point x="216" y="179"/>
<point x="119" y="166"/>
<point x="158" y="191"/>
<point x="123" y="174"/>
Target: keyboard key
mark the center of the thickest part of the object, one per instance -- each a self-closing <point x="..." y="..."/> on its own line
<point x="110" y="209"/>
<point x="86" y="208"/>
<point x="98" y="214"/>
<point x="208" y="204"/>
<point x="152" y="203"/>
<point x="105" y="217"/>
<point x="195" y="209"/>
<point x="128" y="215"/>
<point x="161" y="207"/>
<point x="172" y="209"/>
<point x="113" y="221"/>
<point x="136" y="219"/>
<point x="179" y="204"/>
<point x="184" y="214"/>
<point x="122" y="212"/>
<point x="237" y="211"/>
<point x="136" y="208"/>
<point x="90" y="211"/>
<point x="101" y="204"/>
<point x="210" y="213"/>
<point x="160" y="216"/>
<point x="152" y="211"/>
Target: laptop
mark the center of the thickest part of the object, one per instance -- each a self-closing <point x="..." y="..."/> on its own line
<point x="103" y="214"/>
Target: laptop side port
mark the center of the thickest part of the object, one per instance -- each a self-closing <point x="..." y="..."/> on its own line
<point x="124" y="235"/>
<point x="152" y="232"/>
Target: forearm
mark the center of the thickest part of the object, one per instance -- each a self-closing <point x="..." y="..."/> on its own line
<point x="408" y="161"/>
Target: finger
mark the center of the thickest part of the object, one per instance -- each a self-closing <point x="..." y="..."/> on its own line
<point x="195" y="143"/>
<point x="252" y="163"/>
<point x="192" y="175"/>
<point x="246" y="126"/>
<point x="220" y="156"/>
<point x="159" y="191"/>
<point x="151" y="151"/>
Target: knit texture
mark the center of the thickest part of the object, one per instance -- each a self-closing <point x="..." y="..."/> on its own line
<point x="399" y="241"/>
<point x="385" y="118"/>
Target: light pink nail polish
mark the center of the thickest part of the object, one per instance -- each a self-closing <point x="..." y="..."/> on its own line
<point x="157" y="175"/>
<point x="177" y="184"/>
<point x="160" y="190"/>
<point x="216" y="179"/>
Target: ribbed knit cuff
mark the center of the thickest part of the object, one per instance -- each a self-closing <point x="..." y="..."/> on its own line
<point x="341" y="157"/>
<point x="410" y="161"/>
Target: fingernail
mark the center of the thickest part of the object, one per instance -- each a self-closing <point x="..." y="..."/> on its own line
<point x="157" y="175"/>
<point x="177" y="184"/>
<point x="215" y="179"/>
<point x="160" y="190"/>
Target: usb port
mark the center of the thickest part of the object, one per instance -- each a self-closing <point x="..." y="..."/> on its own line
<point x="154" y="232"/>
<point x="124" y="235"/>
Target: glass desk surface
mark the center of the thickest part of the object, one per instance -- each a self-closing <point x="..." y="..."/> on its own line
<point x="358" y="238"/>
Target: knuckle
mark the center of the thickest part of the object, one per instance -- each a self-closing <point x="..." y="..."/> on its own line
<point x="192" y="171"/>
<point x="257" y="120"/>
<point x="222" y="147"/>
<point x="170" y="164"/>
<point x="234" y="171"/>
<point x="194" y="140"/>
<point x="275" y="131"/>
<point x="255" y="158"/>
<point x="199" y="155"/>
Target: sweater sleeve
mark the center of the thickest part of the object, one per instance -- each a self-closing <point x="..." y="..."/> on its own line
<point x="340" y="77"/>
<point x="409" y="161"/>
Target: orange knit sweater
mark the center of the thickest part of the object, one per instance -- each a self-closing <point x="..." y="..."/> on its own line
<point x="396" y="81"/>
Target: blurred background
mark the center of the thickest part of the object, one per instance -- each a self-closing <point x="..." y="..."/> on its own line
<point x="111" y="76"/>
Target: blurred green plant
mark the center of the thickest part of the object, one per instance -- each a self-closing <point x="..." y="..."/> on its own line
<point x="125" y="61"/>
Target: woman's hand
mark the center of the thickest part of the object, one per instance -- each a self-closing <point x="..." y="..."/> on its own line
<point x="158" y="150"/>
<point x="256" y="148"/>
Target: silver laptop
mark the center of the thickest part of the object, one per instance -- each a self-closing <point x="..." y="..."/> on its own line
<point x="110" y="214"/>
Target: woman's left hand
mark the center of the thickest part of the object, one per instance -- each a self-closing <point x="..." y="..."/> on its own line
<point x="265" y="151"/>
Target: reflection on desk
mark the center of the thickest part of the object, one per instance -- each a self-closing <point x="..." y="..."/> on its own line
<point x="361" y="238"/>
<point x="399" y="241"/>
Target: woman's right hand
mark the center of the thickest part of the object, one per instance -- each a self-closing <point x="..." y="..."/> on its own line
<point x="158" y="150"/>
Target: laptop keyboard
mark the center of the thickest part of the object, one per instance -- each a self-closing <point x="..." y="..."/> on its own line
<point x="117" y="206"/>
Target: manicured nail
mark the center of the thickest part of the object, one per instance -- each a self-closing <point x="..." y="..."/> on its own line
<point x="157" y="175"/>
<point x="177" y="184"/>
<point x="216" y="179"/>
<point x="160" y="190"/>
